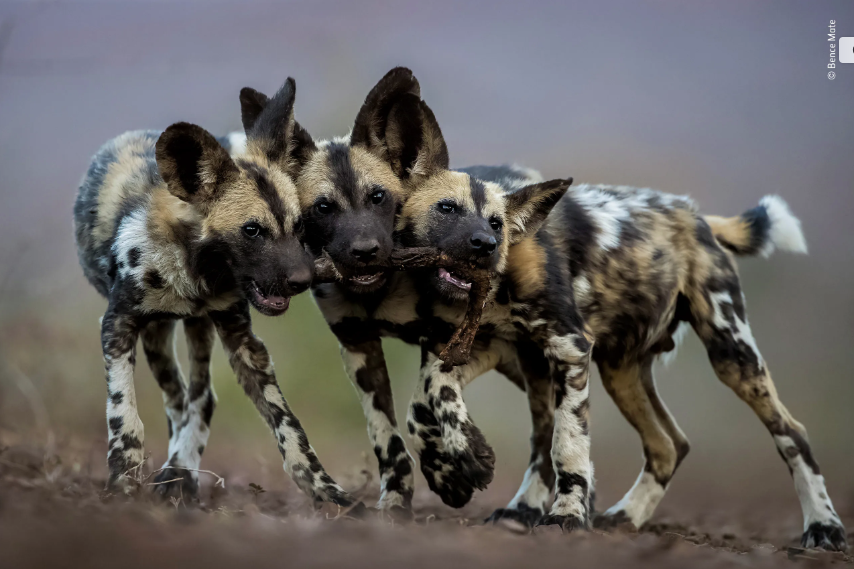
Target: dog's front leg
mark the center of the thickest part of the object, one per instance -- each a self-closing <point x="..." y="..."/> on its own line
<point x="254" y="369"/>
<point x="455" y="457"/>
<point x="569" y="360"/>
<point x="119" y="332"/>
<point x="366" y="368"/>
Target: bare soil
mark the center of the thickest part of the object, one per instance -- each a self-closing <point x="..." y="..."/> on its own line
<point x="54" y="512"/>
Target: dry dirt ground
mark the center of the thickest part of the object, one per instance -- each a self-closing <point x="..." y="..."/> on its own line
<point x="55" y="513"/>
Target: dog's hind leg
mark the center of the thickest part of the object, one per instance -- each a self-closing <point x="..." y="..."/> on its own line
<point x="668" y="422"/>
<point x="158" y="343"/>
<point x="720" y="319"/>
<point x="158" y="340"/>
<point x="191" y="435"/>
<point x="532" y="500"/>
<point x="631" y="387"/>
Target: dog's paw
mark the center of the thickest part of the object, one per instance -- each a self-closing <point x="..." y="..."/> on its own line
<point x="455" y="477"/>
<point x="566" y="523"/>
<point x="521" y="518"/>
<point x="445" y="481"/>
<point x="613" y="520"/>
<point x="331" y="492"/>
<point x="830" y="536"/>
<point x="396" y="504"/>
<point x="177" y="483"/>
<point x="476" y="462"/>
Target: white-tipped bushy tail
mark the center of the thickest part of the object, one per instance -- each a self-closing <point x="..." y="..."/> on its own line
<point x="760" y="231"/>
<point x="785" y="233"/>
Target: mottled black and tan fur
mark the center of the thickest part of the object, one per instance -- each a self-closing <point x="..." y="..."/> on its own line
<point x="609" y="277"/>
<point x="634" y="264"/>
<point x="644" y="264"/>
<point x="352" y="190"/>
<point x="169" y="227"/>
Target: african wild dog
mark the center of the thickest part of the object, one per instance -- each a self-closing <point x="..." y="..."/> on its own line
<point x="632" y="264"/>
<point x="613" y="267"/>
<point x="644" y="266"/>
<point x="351" y="190"/>
<point x="170" y="227"/>
<point x="556" y="292"/>
<point x="349" y="198"/>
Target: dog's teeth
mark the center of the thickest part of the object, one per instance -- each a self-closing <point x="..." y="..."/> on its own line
<point x="365" y="279"/>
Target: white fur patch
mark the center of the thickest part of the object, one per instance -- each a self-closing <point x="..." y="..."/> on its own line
<point x="274" y="396"/>
<point x="237" y="140"/>
<point x="169" y="260"/>
<point x="810" y="487"/>
<point x="353" y="362"/>
<point x="668" y="358"/>
<point x="571" y="452"/>
<point x="785" y="233"/>
<point x="453" y="437"/>
<point x="640" y="501"/>
<point x="380" y="430"/>
<point x="121" y="381"/>
<point x="607" y="215"/>
<point x="609" y="206"/>
<point x="742" y="328"/>
<point x="345" y="139"/>
<point x="581" y="289"/>
<point x="191" y="438"/>
<point x="563" y="347"/>
<point x="533" y="492"/>
<point x="132" y="234"/>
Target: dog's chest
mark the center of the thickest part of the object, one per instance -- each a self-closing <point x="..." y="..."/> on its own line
<point x="155" y="274"/>
<point x="505" y="321"/>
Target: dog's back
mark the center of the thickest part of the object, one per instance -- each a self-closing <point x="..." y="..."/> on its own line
<point x="629" y="252"/>
<point x="120" y="178"/>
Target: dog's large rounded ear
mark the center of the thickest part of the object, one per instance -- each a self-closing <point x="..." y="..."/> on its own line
<point x="192" y="163"/>
<point x="528" y="207"/>
<point x="252" y="102"/>
<point x="271" y="128"/>
<point x="369" y="129"/>
<point x="395" y="125"/>
<point x="301" y="148"/>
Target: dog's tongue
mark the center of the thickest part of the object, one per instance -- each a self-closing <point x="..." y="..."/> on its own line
<point x="274" y="302"/>
<point x="445" y="275"/>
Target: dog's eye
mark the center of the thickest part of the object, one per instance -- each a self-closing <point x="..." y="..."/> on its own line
<point x="252" y="230"/>
<point x="447" y="207"/>
<point x="377" y="197"/>
<point x="324" y="207"/>
<point x="495" y="224"/>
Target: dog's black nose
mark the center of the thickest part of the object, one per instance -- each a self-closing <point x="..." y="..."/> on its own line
<point x="482" y="244"/>
<point x="365" y="251"/>
<point x="299" y="280"/>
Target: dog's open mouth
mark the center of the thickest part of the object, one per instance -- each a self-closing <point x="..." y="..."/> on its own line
<point x="455" y="280"/>
<point x="366" y="280"/>
<point x="271" y="304"/>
